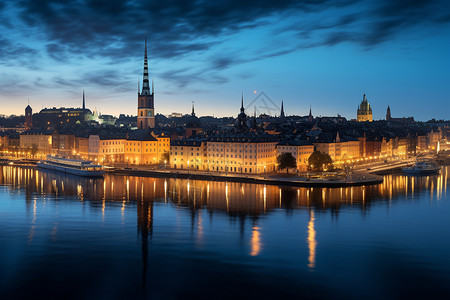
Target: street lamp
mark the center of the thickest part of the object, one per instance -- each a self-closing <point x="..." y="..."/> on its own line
<point x="165" y="164"/>
<point x="188" y="166"/>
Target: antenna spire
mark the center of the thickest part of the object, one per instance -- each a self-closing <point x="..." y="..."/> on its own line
<point x="84" y="101"/>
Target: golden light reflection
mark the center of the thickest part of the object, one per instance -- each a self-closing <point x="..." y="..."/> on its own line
<point x="255" y="241"/>
<point x="312" y="243"/>
<point x="265" y="198"/>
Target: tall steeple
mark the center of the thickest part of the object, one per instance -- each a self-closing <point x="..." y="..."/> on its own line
<point x="310" y="117"/>
<point x="193" y="112"/>
<point x="282" y="110"/>
<point x="388" y="113"/>
<point x="146" y="101"/>
<point x="145" y="82"/>
<point x="242" y="117"/>
<point x="84" y="101"/>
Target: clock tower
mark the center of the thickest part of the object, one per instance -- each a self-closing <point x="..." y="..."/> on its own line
<point x="146" y="104"/>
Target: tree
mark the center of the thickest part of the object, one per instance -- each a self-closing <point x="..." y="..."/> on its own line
<point x="285" y="161"/>
<point x="318" y="160"/>
<point x="165" y="157"/>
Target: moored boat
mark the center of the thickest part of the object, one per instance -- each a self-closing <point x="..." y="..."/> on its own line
<point x="422" y="168"/>
<point x="71" y="166"/>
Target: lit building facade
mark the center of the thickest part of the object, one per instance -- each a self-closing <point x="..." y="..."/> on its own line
<point x="144" y="147"/>
<point x="37" y="141"/>
<point x="248" y="153"/>
<point x="301" y="151"/>
<point x="187" y="154"/>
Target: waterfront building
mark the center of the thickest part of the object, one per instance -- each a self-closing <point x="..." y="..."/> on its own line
<point x="248" y="153"/>
<point x="300" y="150"/>
<point x="145" y="147"/>
<point x="63" y="143"/>
<point x="146" y="104"/>
<point x="188" y="154"/>
<point x="107" y="147"/>
<point x="364" y="112"/>
<point x="339" y="149"/>
<point x="37" y="141"/>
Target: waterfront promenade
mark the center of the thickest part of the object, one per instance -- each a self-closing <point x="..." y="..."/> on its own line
<point x="303" y="180"/>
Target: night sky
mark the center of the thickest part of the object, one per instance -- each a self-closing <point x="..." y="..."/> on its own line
<point x="307" y="52"/>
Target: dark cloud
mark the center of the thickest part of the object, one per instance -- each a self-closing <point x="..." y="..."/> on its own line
<point x="114" y="29"/>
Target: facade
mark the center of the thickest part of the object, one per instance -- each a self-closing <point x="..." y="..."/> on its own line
<point x="301" y="150"/>
<point x="63" y="144"/>
<point x="364" y="112"/>
<point x="61" y="117"/>
<point x="144" y="147"/>
<point x="247" y="153"/>
<point x="36" y="142"/>
<point x="340" y="150"/>
<point x="187" y="154"/>
<point x="106" y="149"/>
<point x="146" y="104"/>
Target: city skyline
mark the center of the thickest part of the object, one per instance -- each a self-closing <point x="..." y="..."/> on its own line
<point x="394" y="53"/>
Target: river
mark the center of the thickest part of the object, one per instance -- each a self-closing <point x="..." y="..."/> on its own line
<point x="67" y="237"/>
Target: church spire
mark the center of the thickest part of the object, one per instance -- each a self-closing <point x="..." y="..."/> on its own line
<point x="145" y="82"/>
<point x="282" y="110"/>
<point x="193" y="112"/>
<point x="388" y="113"/>
<point x="84" y="101"/>
<point x="242" y="103"/>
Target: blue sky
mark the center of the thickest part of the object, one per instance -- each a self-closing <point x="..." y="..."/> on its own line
<point x="320" y="53"/>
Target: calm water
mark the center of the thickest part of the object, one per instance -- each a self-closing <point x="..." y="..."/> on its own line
<point x="120" y="237"/>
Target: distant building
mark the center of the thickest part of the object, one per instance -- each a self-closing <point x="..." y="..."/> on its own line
<point x="310" y="116"/>
<point x="63" y="117"/>
<point x="28" y="117"/>
<point x="282" y="116"/>
<point x="388" y="113"/>
<point x="193" y="124"/>
<point x="146" y="104"/>
<point x="364" y="112"/>
<point x="241" y="125"/>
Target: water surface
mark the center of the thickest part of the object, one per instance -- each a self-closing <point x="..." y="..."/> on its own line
<point x="130" y="237"/>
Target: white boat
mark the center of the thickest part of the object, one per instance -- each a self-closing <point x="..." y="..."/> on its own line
<point x="422" y="168"/>
<point x="71" y="166"/>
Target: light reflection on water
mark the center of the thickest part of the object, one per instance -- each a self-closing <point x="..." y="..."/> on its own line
<point x="218" y="230"/>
